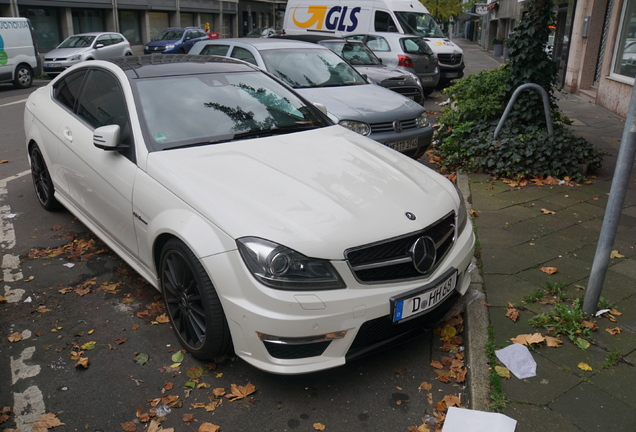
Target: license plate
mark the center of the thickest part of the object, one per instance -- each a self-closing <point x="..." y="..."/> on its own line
<point x="452" y="75"/>
<point x="404" y="145"/>
<point x="417" y="302"/>
<point x="54" y="65"/>
<point x="426" y="79"/>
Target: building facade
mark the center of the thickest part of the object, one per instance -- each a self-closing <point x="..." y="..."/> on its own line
<point x="138" y="20"/>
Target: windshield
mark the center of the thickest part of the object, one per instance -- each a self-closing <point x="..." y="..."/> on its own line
<point x="77" y="42"/>
<point x="419" y="24"/>
<point x="169" y="35"/>
<point x="186" y="110"/>
<point x="307" y="68"/>
<point x="354" y="53"/>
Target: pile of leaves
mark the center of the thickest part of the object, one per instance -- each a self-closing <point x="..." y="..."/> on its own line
<point x="523" y="148"/>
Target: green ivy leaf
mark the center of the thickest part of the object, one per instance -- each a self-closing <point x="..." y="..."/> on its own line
<point x="141" y="359"/>
<point x="177" y="357"/>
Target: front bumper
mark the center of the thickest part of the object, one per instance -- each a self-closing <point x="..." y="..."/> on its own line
<point x="293" y="332"/>
<point x="423" y="135"/>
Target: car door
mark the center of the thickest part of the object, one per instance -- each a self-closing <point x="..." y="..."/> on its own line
<point x="103" y="52"/>
<point x="100" y="182"/>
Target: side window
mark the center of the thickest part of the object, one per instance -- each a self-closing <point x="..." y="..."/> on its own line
<point x="188" y="35"/>
<point x="376" y="43"/>
<point x="220" y="50"/>
<point x="116" y="39"/>
<point x="103" y="39"/>
<point x="384" y="22"/>
<point x="67" y="89"/>
<point x="102" y="101"/>
<point x="243" y="54"/>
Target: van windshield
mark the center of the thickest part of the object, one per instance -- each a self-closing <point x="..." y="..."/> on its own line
<point x="419" y="24"/>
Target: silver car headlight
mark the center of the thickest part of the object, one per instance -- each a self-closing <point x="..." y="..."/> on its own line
<point x="75" y="57"/>
<point x="359" y="127"/>
<point x="422" y="120"/>
<point x="279" y="267"/>
<point x="462" y="213"/>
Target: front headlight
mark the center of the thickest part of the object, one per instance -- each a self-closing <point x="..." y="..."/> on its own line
<point x="359" y="127"/>
<point x="462" y="213"/>
<point x="279" y="267"/>
<point x="76" y="57"/>
<point x="169" y="47"/>
<point x="422" y="120"/>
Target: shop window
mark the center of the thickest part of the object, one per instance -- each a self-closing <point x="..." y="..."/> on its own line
<point x="187" y="20"/>
<point x="159" y="21"/>
<point x="88" y="20"/>
<point x="130" y="25"/>
<point x="625" y="58"/>
<point x="45" y="23"/>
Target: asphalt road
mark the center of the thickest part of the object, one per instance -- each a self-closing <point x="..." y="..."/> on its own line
<point x="70" y="298"/>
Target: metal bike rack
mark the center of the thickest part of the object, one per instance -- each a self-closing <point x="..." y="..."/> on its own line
<point x="515" y="95"/>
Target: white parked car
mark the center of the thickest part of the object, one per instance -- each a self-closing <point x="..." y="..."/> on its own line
<point x="297" y="243"/>
<point x="85" y="46"/>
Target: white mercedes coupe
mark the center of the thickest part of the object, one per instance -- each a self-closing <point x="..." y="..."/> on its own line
<point x="271" y="232"/>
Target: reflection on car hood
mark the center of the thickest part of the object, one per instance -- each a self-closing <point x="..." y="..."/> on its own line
<point x="66" y="52"/>
<point x="162" y="42"/>
<point x="370" y="103"/>
<point x="318" y="192"/>
<point x="381" y="73"/>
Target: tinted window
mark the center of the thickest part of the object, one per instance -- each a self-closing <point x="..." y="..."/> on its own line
<point x="77" y="42"/>
<point x="243" y="54"/>
<point x="220" y="50"/>
<point x="416" y="46"/>
<point x="378" y="44"/>
<point x="67" y="89"/>
<point x="116" y="39"/>
<point x="104" y="39"/>
<point x="384" y="22"/>
<point x="102" y="101"/>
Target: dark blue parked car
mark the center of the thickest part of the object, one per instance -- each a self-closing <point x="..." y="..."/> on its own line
<point x="175" y="40"/>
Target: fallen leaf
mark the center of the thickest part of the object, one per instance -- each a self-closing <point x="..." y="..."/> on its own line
<point x="219" y="392"/>
<point x="188" y="418"/>
<point x="141" y="359"/>
<point x="83" y="362"/>
<point x="461" y="376"/>
<point x="208" y="427"/>
<point x="546" y="211"/>
<point x="177" y="357"/>
<point x="553" y="342"/>
<point x="549" y="270"/>
<point x="89" y="345"/>
<point x="425" y="386"/>
<point x="240" y="392"/>
<point x="163" y="319"/>
<point x="513" y="314"/>
<point x="43" y="309"/>
<point x="528" y="339"/>
<point x="2" y="299"/>
<point x="129" y="426"/>
<point x="473" y="213"/>
<point x="502" y="371"/>
<point x="452" y="400"/>
<point x="437" y="365"/>
<point x="613" y="331"/>
<point x="616" y="254"/>
<point x="4" y="161"/>
<point x="584" y="366"/>
<point x="615" y="312"/>
<point x="46" y="421"/>
<point x="121" y="340"/>
<point x="592" y="325"/>
<point x="319" y="426"/>
<point x="135" y="326"/>
<point x="582" y="343"/>
<point x="195" y="372"/>
<point x="15" y="337"/>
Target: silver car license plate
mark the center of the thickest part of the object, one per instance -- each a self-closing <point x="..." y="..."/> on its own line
<point x="54" y="65"/>
<point x="404" y="145"/>
<point x="419" y="301"/>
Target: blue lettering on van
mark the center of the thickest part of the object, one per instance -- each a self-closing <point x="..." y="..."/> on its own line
<point x="13" y="25"/>
<point x="330" y="22"/>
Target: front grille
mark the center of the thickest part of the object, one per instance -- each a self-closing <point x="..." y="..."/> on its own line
<point x="388" y="126"/>
<point x="450" y="59"/>
<point x="296" y="351"/>
<point x="51" y="59"/>
<point x="390" y="260"/>
<point x="380" y="332"/>
<point x="156" y="48"/>
<point x="409" y="92"/>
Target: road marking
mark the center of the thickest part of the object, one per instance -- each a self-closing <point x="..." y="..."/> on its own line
<point x="14" y="103"/>
<point x="21" y="370"/>
<point x="28" y="407"/>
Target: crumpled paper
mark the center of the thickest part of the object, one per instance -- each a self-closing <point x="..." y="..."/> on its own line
<point x="463" y="420"/>
<point x="518" y="360"/>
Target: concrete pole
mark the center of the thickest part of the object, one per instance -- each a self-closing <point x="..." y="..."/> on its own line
<point x="620" y="183"/>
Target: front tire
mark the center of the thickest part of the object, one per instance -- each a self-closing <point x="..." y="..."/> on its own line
<point x="192" y="303"/>
<point x="44" y="189"/>
<point x="23" y="77"/>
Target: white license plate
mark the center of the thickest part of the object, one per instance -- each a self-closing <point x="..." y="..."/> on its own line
<point x="54" y="65"/>
<point x="452" y="75"/>
<point x="426" y="79"/>
<point x="417" y="302"/>
<point x="404" y="145"/>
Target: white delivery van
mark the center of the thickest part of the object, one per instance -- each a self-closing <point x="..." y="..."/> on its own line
<point x="19" y="59"/>
<point x="358" y="17"/>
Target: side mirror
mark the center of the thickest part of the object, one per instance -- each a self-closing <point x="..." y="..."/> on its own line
<point x="99" y="45"/>
<point x="107" y="138"/>
<point x="321" y="107"/>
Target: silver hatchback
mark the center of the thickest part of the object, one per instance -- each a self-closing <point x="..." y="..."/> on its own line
<point x="85" y="46"/>
<point x="410" y="53"/>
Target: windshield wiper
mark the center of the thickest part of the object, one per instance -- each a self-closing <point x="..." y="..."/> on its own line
<point x="258" y="133"/>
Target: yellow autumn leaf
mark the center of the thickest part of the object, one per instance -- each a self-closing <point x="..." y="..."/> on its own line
<point x="89" y="345"/>
<point x="319" y="426"/>
<point x="15" y="337"/>
<point x="616" y="254"/>
<point x="208" y="427"/>
<point x="584" y="366"/>
<point x="503" y="371"/>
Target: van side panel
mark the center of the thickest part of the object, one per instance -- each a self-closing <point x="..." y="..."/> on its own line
<point x="17" y="46"/>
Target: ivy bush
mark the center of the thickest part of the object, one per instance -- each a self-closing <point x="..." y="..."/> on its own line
<point x="523" y="147"/>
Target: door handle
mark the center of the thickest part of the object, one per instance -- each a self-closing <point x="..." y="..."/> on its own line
<point x="68" y="135"/>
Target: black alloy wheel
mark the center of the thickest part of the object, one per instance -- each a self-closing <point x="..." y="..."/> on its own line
<point x="192" y="303"/>
<point x="42" y="182"/>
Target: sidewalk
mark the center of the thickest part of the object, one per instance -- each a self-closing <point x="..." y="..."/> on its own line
<point x="516" y="238"/>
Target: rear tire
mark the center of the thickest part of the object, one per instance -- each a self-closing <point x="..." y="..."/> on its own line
<point x="44" y="189"/>
<point x="192" y="303"/>
<point x="23" y="77"/>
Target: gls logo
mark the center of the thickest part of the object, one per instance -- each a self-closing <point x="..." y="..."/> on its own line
<point x="338" y="18"/>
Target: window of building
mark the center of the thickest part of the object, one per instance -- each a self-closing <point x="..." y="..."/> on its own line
<point x="625" y="57"/>
<point x="159" y="21"/>
<point x="130" y="25"/>
<point x="88" y="20"/>
<point x="187" y="19"/>
<point x="45" y="23"/>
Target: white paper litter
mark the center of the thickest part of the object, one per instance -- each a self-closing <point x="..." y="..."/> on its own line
<point x="465" y="420"/>
<point x="518" y="360"/>
<point x="69" y="265"/>
<point x="601" y="312"/>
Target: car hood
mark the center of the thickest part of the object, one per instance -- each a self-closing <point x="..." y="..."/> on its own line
<point x="369" y="103"/>
<point x="318" y="192"/>
<point x="66" y="52"/>
<point x="162" y="42"/>
<point x="381" y="73"/>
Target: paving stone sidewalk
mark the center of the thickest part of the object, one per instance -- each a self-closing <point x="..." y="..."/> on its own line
<point x="516" y="238"/>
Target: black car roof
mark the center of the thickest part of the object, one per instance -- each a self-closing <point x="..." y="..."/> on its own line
<point x="147" y="66"/>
